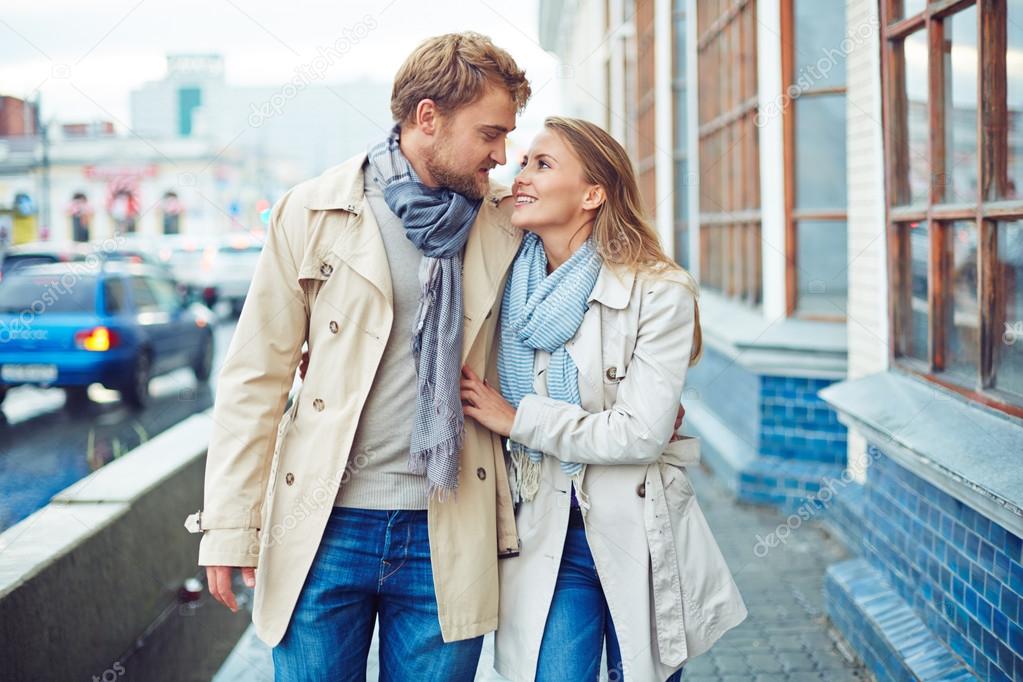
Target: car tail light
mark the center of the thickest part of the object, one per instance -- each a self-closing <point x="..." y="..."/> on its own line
<point x="97" y="338"/>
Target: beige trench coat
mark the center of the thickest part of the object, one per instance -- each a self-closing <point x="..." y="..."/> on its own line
<point x="668" y="588"/>
<point x="271" y="478"/>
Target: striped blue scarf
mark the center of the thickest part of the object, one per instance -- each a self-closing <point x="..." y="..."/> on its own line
<point x="541" y="311"/>
<point x="437" y="221"/>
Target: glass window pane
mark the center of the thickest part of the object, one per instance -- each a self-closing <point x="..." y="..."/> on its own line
<point x="963" y="328"/>
<point x="819" y="29"/>
<point x="681" y="191"/>
<point x="681" y="245"/>
<point x="680" y="45"/>
<point x="914" y="52"/>
<point x="820" y="152"/>
<point x="907" y="8"/>
<point x="919" y="258"/>
<point x="961" y="107"/>
<point x="822" y="273"/>
<point x="1014" y="97"/>
<point x="1009" y="308"/>
<point x="680" y="121"/>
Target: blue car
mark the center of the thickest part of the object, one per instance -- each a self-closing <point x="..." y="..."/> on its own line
<point x="119" y="324"/>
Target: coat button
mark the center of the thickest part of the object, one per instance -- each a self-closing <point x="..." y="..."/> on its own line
<point x="481" y="474"/>
<point x="326" y="269"/>
<point x="641" y="490"/>
<point x="318" y="404"/>
<point x="289" y="478"/>
<point x="334" y="326"/>
<point x="612" y="373"/>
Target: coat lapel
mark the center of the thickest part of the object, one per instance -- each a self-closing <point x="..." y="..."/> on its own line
<point x="492" y="246"/>
<point x="612" y="290"/>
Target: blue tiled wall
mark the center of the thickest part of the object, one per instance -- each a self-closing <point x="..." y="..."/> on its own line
<point x="796" y="436"/>
<point x="961" y="572"/>
<point x="796" y="424"/>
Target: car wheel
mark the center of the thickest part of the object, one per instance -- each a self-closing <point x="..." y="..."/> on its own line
<point x="136" y="392"/>
<point x="203" y="366"/>
<point x="76" y="397"/>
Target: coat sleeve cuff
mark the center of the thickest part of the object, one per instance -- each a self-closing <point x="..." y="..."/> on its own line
<point x="229" y="547"/>
<point x="530" y="417"/>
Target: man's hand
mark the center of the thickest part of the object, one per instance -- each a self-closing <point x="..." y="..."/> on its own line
<point x="678" y="424"/>
<point x="304" y="365"/>
<point x="219" y="580"/>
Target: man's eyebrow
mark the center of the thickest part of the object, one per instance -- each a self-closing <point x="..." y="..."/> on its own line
<point x="496" y="128"/>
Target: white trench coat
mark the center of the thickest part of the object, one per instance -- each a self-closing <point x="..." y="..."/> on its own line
<point x="669" y="590"/>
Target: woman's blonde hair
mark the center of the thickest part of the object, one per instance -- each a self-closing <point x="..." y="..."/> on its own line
<point x="621" y="231"/>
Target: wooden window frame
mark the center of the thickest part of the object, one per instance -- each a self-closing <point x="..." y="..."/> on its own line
<point x="731" y="233"/>
<point x="986" y="212"/>
<point x="793" y="215"/>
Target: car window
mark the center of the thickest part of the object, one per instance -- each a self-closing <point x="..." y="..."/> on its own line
<point x="165" y="293"/>
<point x="12" y="263"/>
<point x="37" y="294"/>
<point x="113" y="296"/>
<point x="145" y="300"/>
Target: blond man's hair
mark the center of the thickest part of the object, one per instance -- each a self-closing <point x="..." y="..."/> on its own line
<point x="454" y="70"/>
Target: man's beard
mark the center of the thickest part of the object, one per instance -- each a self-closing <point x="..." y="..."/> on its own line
<point x="466" y="184"/>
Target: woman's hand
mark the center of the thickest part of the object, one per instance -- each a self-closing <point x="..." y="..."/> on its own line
<point x="485" y="404"/>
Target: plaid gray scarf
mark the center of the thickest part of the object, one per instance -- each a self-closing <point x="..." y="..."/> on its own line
<point x="437" y="221"/>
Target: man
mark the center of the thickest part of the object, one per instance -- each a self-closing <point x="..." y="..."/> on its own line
<point x="367" y="263"/>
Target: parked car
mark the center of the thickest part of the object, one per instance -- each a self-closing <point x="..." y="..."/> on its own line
<point x="119" y="324"/>
<point x="189" y="257"/>
<point x="133" y="249"/>
<point x="37" y="253"/>
<point x="226" y="271"/>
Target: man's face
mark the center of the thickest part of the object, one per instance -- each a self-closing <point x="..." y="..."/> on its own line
<point x="470" y="142"/>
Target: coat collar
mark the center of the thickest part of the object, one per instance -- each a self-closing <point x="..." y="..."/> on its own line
<point x="614" y="286"/>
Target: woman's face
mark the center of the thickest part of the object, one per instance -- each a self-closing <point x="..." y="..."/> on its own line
<point x="551" y="191"/>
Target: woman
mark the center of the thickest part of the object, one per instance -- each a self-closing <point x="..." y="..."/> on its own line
<point x="598" y="327"/>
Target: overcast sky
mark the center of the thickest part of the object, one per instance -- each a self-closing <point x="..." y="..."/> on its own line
<point x="85" y="57"/>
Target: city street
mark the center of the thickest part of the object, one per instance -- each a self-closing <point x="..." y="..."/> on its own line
<point x="44" y="447"/>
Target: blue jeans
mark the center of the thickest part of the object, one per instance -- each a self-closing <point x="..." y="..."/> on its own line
<point x="579" y="621"/>
<point x="371" y="563"/>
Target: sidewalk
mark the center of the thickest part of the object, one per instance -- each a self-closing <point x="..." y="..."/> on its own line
<point x="783" y="639"/>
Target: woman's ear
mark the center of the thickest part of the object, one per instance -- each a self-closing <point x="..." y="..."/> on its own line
<point x="594" y="198"/>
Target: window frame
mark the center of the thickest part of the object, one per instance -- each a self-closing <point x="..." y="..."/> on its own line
<point x="732" y="232"/>
<point x="989" y="209"/>
<point x="794" y="215"/>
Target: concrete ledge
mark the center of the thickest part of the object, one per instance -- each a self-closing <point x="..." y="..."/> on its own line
<point x="774" y="347"/>
<point x="892" y="640"/>
<point x="968" y="452"/>
<point x="94" y="574"/>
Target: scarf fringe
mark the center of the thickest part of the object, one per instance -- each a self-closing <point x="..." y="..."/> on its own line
<point x="528" y="472"/>
<point x="447" y="450"/>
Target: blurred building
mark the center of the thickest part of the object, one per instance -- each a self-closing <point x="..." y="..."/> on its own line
<point x="201" y="155"/>
<point x="286" y="132"/>
<point x="842" y="177"/>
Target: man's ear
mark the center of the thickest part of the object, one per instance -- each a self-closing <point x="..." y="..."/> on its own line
<point x="594" y="197"/>
<point x="426" y="116"/>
